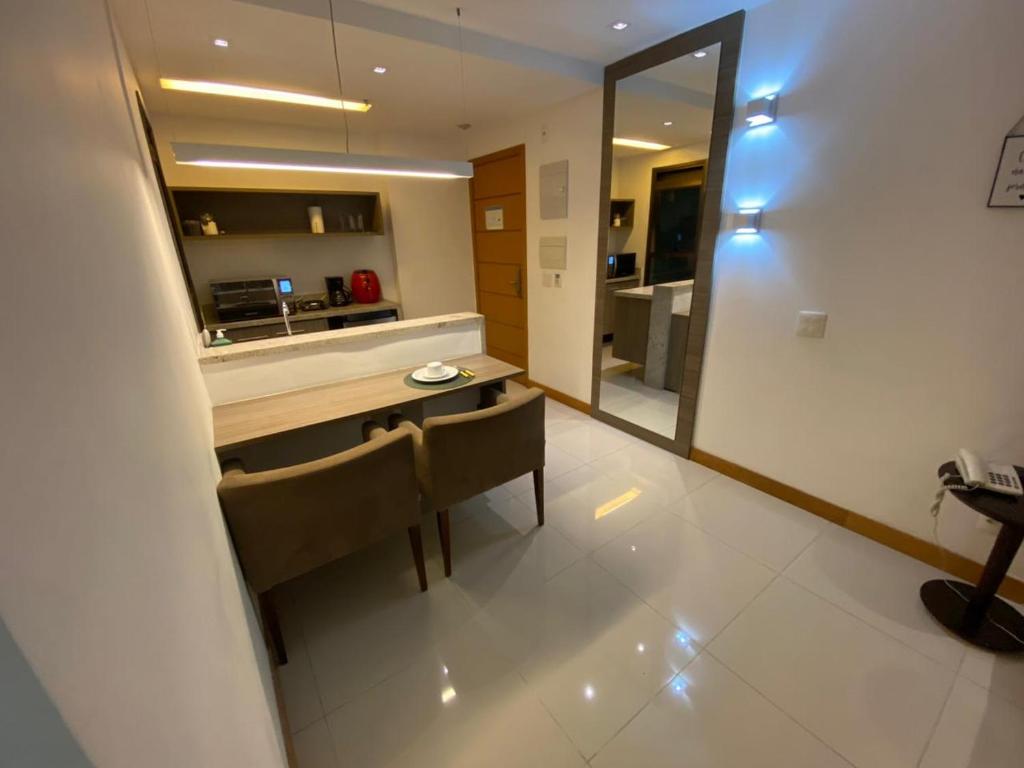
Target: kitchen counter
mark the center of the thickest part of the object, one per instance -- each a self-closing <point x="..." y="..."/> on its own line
<point x="269" y="366"/>
<point x="213" y="324"/>
<point x="364" y="333"/>
<point x="682" y="295"/>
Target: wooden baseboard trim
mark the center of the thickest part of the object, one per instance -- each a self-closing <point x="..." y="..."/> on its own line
<point x="561" y="397"/>
<point x="919" y="549"/>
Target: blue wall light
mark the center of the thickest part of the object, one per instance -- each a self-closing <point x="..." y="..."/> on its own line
<point x="762" y="111"/>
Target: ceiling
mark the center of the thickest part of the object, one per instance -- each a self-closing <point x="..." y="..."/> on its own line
<point x="520" y="56"/>
<point x="642" y="108"/>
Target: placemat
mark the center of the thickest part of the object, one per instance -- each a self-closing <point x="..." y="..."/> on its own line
<point x="455" y="383"/>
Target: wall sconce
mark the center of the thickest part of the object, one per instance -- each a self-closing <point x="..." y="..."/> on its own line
<point x="762" y="111"/>
<point x="747" y="221"/>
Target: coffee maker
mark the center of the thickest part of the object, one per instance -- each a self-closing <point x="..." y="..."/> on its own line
<point x="337" y="294"/>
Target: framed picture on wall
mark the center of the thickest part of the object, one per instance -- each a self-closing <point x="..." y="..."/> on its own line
<point x="1008" y="187"/>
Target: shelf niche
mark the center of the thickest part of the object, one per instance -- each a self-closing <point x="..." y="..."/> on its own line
<point x="277" y="213"/>
<point x="624" y="209"/>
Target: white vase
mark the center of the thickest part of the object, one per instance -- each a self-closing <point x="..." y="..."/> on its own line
<point x="316" y="219"/>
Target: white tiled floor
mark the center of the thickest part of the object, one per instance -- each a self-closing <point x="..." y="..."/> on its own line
<point x="665" y="616"/>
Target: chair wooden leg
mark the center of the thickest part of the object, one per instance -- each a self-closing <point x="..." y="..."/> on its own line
<point x="444" y="529"/>
<point x="273" y="628"/>
<point x="416" y="542"/>
<point x="538" y="493"/>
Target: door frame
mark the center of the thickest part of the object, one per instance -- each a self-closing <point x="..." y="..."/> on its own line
<point x="501" y="154"/>
<point x="727" y="31"/>
<point x="703" y="165"/>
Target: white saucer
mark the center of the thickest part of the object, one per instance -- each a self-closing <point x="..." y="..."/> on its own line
<point x="420" y="375"/>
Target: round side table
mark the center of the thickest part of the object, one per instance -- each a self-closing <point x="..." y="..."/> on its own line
<point x="974" y="613"/>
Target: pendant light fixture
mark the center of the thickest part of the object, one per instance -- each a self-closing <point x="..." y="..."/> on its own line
<point x="277" y="159"/>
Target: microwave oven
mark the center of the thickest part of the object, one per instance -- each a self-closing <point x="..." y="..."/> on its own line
<point x="621" y="265"/>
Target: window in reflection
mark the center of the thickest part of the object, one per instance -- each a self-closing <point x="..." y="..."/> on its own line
<point x="662" y="132"/>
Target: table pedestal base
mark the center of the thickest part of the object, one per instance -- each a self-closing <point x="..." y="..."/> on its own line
<point x="1001" y="628"/>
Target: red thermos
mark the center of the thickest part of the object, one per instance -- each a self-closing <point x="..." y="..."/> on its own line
<point x="365" y="286"/>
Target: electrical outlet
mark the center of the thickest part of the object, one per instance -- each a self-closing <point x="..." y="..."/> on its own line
<point x="558" y="280"/>
<point x="811" y="324"/>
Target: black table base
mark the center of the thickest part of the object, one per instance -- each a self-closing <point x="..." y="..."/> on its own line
<point x="975" y="614"/>
<point x="1000" y="628"/>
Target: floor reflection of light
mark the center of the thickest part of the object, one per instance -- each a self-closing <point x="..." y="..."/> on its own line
<point x="682" y="639"/>
<point x="640" y="648"/>
<point x="589" y="693"/>
<point x="444" y="669"/>
<point x="679" y="686"/>
<point x="632" y="547"/>
<point x="447" y="695"/>
<point x="617" y="503"/>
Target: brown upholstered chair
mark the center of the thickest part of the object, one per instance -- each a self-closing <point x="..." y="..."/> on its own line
<point x="287" y="522"/>
<point x="462" y="455"/>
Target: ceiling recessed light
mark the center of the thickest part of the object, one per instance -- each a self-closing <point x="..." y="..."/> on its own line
<point x="220" y="42"/>
<point x="618" y="26"/>
<point x="667" y="123"/>
<point x="700" y="54"/>
<point x="380" y="70"/>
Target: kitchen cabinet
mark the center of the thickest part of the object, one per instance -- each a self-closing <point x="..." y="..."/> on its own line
<point x="610" y="287"/>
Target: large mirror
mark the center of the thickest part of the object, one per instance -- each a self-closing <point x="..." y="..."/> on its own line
<point x="663" y="165"/>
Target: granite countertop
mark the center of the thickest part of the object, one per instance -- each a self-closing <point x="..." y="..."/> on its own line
<point x="308" y="341"/>
<point x="681" y="303"/>
<point x="211" y="322"/>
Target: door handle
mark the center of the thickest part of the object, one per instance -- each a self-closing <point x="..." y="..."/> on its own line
<point x="518" y="282"/>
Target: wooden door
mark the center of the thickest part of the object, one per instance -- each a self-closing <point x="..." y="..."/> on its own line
<point x="499" y="255"/>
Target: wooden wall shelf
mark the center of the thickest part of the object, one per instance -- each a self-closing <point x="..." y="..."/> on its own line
<point x="248" y="213"/>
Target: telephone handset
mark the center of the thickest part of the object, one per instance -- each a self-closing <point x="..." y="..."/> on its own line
<point x="977" y="474"/>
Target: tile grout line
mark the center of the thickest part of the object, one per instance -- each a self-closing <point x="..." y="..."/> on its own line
<point x="868" y="624"/>
<point x="779" y="708"/>
<point x="537" y="697"/>
<point x="938" y="719"/>
<point x="647" y="703"/>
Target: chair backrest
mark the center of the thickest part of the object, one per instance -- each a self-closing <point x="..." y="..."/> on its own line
<point x="469" y="453"/>
<point x="286" y="522"/>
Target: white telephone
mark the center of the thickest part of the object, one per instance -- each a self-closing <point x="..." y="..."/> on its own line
<point x="979" y="474"/>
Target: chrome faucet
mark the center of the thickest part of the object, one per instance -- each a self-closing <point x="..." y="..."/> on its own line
<point x="284" y="313"/>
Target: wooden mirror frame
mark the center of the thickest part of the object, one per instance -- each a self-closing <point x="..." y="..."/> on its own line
<point x="728" y="32"/>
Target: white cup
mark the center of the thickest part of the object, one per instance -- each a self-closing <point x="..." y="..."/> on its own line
<point x="435" y="370"/>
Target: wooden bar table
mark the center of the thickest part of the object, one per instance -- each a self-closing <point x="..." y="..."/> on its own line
<point x="249" y="421"/>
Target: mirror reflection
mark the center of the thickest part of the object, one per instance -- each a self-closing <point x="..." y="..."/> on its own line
<point x="662" y="136"/>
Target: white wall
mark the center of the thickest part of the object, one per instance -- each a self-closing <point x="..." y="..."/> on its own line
<point x="874" y="183"/>
<point x="116" y="577"/>
<point x="875" y="213"/>
<point x="424" y="259"/>
<point x="561" y="320"/>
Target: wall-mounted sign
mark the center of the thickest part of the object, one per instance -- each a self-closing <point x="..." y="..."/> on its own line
<point x="494" y="218"/>
<point x="1008" y="188"/>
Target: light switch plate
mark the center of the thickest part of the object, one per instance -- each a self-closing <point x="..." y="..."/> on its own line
<point x="812" y="324"/>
